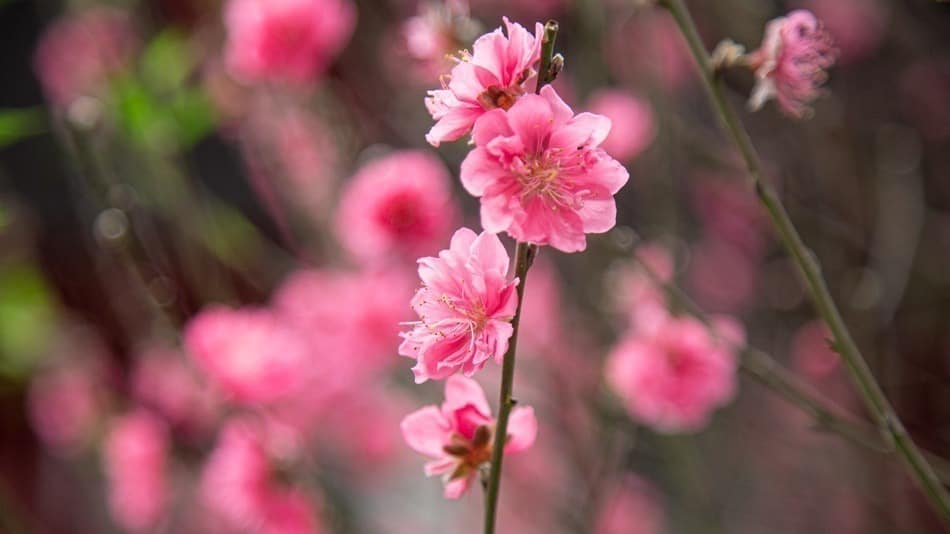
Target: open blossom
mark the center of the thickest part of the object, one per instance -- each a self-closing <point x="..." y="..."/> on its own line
<point x="458" y="436"/>
<point x="541" y="174"/>
<point x="790" y="65"/>
<point x="465" y="307"/>
<point x="135" y="455"/>
<point x="76" y="55"/>
<point x="397" y="206"/>
<point x="493" y="76"/>
<point x="673" y="374"/>
<point x="632" y="128"/>
<point x="164" y="381"/>
<point x="251" y="354"/>
<point x="285" y="40"/>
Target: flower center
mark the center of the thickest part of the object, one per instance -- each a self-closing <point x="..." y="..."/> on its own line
<point x="470" y="453"/>
<point x="497" y="97"/>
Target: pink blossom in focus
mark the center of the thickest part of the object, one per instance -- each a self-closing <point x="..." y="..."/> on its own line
<point x="135" y="457"/>
<point x="251" y="354"/>
<point x="858" y="26"/>
<point x="76" y="55"/>
<point x="163" y="381"/>
<point x="65" y="405"/>
<point x="285" y="40"/>
<point x="465" y="307"/>
<point x="673" y="375"/>
<point x="493" y="76"/>
<point x="790" y="65"/>
<point x="458" y="435"/>
<point x="541" y="174"/>
<point x="629" y="507"/>
<point x="632" y="128"/>
<point x="399" y="206"/>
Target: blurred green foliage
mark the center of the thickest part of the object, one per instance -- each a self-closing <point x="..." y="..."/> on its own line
<point x="27" y="317"/>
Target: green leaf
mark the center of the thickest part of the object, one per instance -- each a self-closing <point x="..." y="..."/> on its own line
<point x="17" y="124"/>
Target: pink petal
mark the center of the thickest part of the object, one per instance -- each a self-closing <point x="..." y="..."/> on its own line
<point x="457" y="487"/>
<point x="522" y="429"/>
<point x="461" y="391"/>
<point x="426" y="431"/>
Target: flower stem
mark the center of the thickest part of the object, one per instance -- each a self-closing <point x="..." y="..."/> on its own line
<point x="875" y="400"/>
<point x="524" y="257"/>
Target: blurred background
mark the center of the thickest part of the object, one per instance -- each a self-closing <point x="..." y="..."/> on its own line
<point x="147" y="172"/>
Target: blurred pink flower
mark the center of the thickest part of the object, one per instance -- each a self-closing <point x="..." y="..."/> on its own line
<point x="630" y="507"/>
<point x="465" y="307"/>
<point x="429" y="39"/>
<point x="542" y="322"/>
<point x="285" y="40"/>
<point x="76" y="54"/>
<point x="252" y="354"/>
<point x="722" y="277"/>
<point x="649" y="49"/>
<point x="163" y="381"/>
<point x="458" y="436"/>
<point x="356" y="340"/>
<point x="289" y="511"/>
<point x="292" y="159"/>
<point x="241" y="490"/>
<point x="858" y="26"/>
<point x="399" y="206"/>
<point x="811" y="352"/>
<point x="135" y="457"/>
<point x="731" y="212"/>
<point x="540" y="173"/>
<point x="492" y="77"/>
<point x="235" y="480"/>
<point x="672" y="375"/>
<point x="636" y="294"/>
<point x="631" y="118"/>
<point x="791" y="62"/>
<point x="65" y="404"/>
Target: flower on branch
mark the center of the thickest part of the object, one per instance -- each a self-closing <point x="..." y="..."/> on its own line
<point x="458" y="436"/>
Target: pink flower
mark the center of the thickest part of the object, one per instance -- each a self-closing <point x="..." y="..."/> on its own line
<point x="397" y="206"/>
<point x="492" y="77"/>
<point x="235" y="478"/>
<point x="135" y="456"/>
<point x="811" y="351"/>
<point x="790" y="65"/>
<point x="632" y="129"/>
<point x="465" y="308"/>
<point x="76" y="55"/>
<point x="163" y="381"/>
<point x="65" y="405"/>
<point x="238" y="488"/>
<point x="540" y="173"/>
<point x="350" y="319"/>
<point x="630" y="507"/>
<point x="673" y="375"/>
<point x="252" y="354"/>
<point x="458" y="436"/>
<point x="285" y="40"/>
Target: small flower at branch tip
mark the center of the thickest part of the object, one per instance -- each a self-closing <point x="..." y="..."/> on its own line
<point x="465" y="307"/>
<point x="790" y="66"/>
<point x="458" y="435"/>
<point x="492" y="76"/>
<point x="727" y="54"/>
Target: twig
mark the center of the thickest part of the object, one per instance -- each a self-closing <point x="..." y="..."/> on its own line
<point x="875" y="400"/>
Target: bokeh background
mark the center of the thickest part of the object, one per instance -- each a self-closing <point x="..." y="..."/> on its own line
<point x="141" y="182"/>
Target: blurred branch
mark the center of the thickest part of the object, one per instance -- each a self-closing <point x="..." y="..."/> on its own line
<point x="889" y="423"/>
<point x="770" y="373"/>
